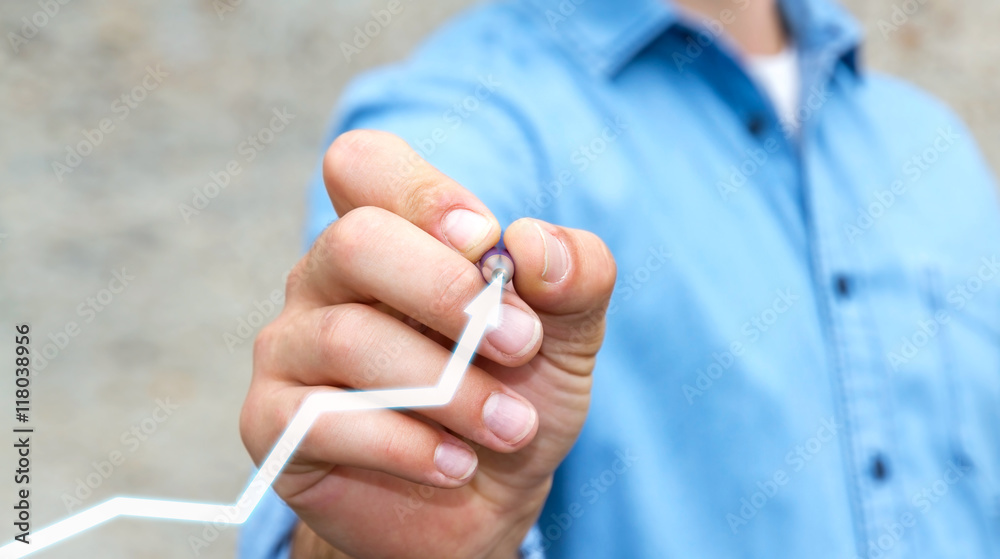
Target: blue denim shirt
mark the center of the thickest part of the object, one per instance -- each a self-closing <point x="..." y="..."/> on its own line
<point x="803" y="348"/>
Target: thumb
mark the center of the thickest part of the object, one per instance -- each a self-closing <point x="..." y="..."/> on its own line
<point x="566" y="276"/>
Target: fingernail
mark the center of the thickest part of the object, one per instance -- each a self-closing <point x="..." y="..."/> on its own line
<point x="556" y="256"/>
<point x="465" y="229"/>
<point x="508" y="418"/>
<point x="455" y="461"/>
<point x="517" y="332"/>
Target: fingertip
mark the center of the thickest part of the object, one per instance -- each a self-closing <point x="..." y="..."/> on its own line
<point x="522" y="242"/>
<point x="342" y="157"/>
<point x="513" y="420"/>
<point x="540" y="254"/>
<point x="376" y="168"/>
<point x="455" y="461"/>
<point x="559" y="269"/>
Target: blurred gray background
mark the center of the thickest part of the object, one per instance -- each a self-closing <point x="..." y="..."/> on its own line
<point x="162" y="340"/>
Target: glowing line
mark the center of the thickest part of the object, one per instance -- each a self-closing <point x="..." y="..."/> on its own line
<point x="484" y="311"/>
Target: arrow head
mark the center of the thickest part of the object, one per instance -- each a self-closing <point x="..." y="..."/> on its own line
<point x="486" y="305"/>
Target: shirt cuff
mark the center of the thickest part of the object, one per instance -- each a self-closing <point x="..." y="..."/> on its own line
<point x="532" y="548"/>
<point x="267" y="533"/>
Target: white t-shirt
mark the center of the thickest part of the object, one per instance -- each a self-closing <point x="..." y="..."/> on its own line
<point x="778" y="74"/>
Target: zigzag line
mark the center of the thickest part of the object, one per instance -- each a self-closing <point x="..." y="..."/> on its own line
<point x="484" y="311"/>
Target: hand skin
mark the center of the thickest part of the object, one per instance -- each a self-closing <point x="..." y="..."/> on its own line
<point x="377" y="303"/>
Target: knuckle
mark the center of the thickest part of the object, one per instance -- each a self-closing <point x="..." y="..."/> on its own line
<point x="260" y="415"/>
<point x="281" y="415"/>
<point x="454" y="288"/>
<point x="346" y="150"/>
<point x="331" y="333"/>
<point x="423" y="193"/>
<point x="248" y="415"/>
<point x="347" y="237"/>
<point x="322" y="249"/>
<point x="354" y="149"/>
<point x="361" y="220"/>
<point x="392" y="445"/>
<point x="342" y="334"/>
<point x="298" y="276"/>
<point x="414" y="187"/>
<point x="265" y="346"/>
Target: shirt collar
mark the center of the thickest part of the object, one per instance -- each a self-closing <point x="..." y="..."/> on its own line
<point x="605" y="35"/>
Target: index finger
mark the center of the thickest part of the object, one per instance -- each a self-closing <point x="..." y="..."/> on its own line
<point x="374" y="168"/>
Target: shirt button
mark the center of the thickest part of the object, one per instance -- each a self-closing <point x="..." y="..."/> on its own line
<point x="962" y="461"/>
<point x="842" y="286"/>
<point x="756" y="125"/>
<point x="879" y="469"/>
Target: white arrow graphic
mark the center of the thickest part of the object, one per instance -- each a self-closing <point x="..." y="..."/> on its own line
<point x="484" y="312"/>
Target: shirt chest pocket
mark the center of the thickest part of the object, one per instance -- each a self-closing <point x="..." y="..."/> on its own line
<point x="941" y="333"/>
<point x="967" y="307"/>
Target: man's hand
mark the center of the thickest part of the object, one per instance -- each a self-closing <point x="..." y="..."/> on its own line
<point x="377" y="303"/>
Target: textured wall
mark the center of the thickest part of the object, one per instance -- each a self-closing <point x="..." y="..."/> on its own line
<point x="950" y="49"/>
<point x="163" y="337"/>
